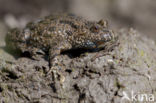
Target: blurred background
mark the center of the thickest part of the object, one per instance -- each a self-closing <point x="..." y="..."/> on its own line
<point x="139" y="14"/>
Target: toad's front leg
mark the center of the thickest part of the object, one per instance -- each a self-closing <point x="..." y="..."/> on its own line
<point x="55" y="51"/>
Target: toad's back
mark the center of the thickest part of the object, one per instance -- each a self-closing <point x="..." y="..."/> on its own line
<point x="54" y="29"/>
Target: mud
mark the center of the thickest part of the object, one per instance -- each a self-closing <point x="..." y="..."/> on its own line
<point x="129" y="67"/>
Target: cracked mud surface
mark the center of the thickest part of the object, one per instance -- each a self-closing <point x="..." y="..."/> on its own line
<point x="131" y="66"/>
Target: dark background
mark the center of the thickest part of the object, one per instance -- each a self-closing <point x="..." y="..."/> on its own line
<point x="139" y="14"/>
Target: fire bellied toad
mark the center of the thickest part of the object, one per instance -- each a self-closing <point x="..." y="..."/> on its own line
<point x="57" y="33"/>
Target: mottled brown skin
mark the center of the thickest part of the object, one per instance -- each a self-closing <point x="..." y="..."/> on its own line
<point x="57" y="33"/>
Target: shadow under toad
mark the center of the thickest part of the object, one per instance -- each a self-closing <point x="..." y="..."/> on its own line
<point x="73" y="53"/>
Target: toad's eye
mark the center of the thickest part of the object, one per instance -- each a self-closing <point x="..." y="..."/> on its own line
<point x="94" y="29"/>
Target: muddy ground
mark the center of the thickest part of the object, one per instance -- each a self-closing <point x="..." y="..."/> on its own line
<point x="130" y="67"/>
